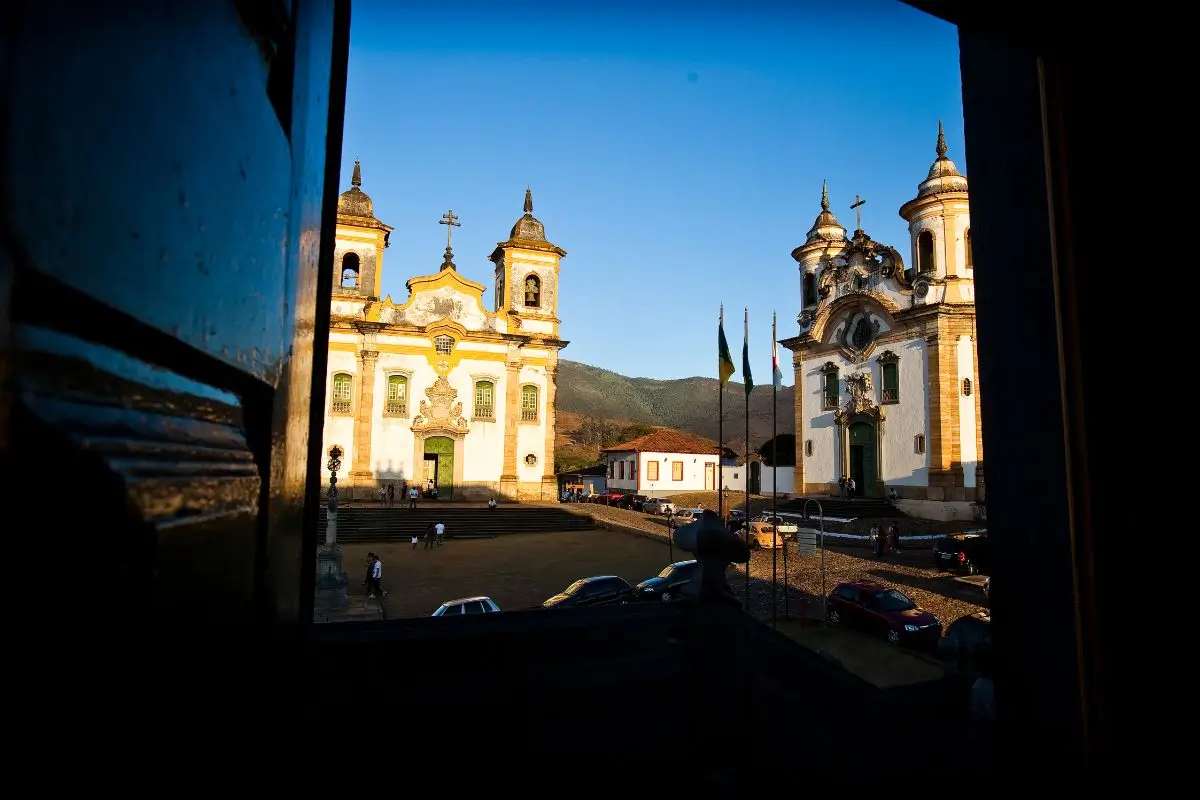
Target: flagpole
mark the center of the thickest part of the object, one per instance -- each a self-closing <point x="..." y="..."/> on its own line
<point x="774" y="468"/>
<point x="720" y="426"/>
<point x="746" y="473"/>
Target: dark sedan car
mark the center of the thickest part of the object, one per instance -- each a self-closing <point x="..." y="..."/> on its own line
<point x="668" y="584"/>
<point x="968" y="644"/>
<point x="879" y="609"/>
<point x="965" y="552"/>
<point x="596" y="591"/>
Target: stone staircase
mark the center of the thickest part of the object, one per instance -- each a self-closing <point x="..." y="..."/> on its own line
<point x="859" y="508"/>
<point x="381" y="525"/>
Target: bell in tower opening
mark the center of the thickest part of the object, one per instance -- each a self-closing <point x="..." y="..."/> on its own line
<point x="533" y="291"/>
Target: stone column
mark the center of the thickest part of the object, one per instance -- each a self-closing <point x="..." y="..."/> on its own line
<point x="512" y="421"/>
<point x="798" y="473"/>
<point x="945" y="457"/>
<point x="549" y="481"/>
<point x="361" y="476"/>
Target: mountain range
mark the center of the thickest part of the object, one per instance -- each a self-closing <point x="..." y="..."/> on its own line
<point x="589" y="397"/>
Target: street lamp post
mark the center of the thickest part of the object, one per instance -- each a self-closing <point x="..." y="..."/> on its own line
<point x="332" y="594"/>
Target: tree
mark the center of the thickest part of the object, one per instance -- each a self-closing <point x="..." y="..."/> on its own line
<point x="785" y="450"/>
<point x="636" y="431"/>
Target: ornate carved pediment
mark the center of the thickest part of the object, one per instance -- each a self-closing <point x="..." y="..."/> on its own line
<point x="858" y="386"/>
<point x="441" y="412"/>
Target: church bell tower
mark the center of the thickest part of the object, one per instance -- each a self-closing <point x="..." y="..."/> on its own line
<point x="360" y="242"/>
<point x="527" y="267"/>
<point x="939" y="227"/>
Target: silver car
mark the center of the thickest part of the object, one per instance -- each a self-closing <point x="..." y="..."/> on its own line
<point x="467" y="605"/>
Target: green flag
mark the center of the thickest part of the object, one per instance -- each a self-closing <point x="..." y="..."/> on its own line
<point x="724" y="360"/>
<point x="746" y="359"/>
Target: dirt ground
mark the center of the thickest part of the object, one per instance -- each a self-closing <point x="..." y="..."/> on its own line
<point x="516" y="570"/>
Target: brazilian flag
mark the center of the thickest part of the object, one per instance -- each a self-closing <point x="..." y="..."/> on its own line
<point x="724" y="359"/>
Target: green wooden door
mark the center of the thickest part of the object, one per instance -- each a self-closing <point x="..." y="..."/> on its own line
<point x="864" y="454"/>
<point x="443" y="448"/>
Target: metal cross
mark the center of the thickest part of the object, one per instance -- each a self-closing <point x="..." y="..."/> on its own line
<point x="450" y="220"/>
<point x="857" y="207"/>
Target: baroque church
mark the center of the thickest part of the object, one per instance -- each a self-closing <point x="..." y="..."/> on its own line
<point x="439" y="388"/>
<point x="887" y="384"/>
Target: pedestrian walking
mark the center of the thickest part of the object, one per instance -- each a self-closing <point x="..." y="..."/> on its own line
<point x="876" y="541"/>
<point x="383" y="495"/>
<point x="894" y="536"/>
<point x="850" y="487"/>
<point x="414" y="541"/>
<point x="391" y="494"/>
<point x="429" y="537"/>
<point x="412" y="496"/>
<point x="439" y="532"/>
<point x="370" y="563"/>
<point x="376" y="579"/>
<point x="842" y="487"/>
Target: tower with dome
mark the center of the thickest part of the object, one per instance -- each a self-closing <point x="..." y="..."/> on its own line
<point x="440" y="389"/>
<point x="885" y="361"/>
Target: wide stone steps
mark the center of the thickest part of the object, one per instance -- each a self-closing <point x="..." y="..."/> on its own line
<point x="381" y="525"/>
<point x="846" y="509"/>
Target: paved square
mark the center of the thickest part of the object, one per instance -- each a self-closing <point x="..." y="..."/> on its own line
<point x="517" y="570"/>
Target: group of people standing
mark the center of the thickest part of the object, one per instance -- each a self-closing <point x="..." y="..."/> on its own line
<point x="883" y="543"/>
<point x="434" y="535"/>
<point x="388" y="492"/>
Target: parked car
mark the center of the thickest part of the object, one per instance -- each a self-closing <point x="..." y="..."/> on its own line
<point x="967" y="643"/>
<point x="659" y="505"/>
<point x="762" y="535"/>
<point x="633" y="502"/>
<point x="595" y="591"/>
<point x="786" y="528"/>
<point x="467" y="605"/>
<point x="967" y="552"/>
<point x="685" y="515"/>
<point x="668" y="584"/>
<point x="880" y="609"/>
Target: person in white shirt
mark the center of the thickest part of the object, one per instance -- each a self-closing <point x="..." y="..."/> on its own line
<point x="439" y="531"/>
<point x="491" y="502"/>
<point x="414" y="541"/>
<point x="376" y="577"/>
<point x="383" y="495"/>
<point x="413" y="494"/>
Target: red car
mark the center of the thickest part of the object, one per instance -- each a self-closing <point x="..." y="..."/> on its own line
<point x="880" y="609"/>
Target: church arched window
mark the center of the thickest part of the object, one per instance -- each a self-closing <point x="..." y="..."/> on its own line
<point x="350" y="268"/>
<point x="829" y="385"/>
<point x="533" y="291"/>
<point x="808" y="288"/>
<point x="529" y="404"/>
<point x="925" y="253"/>
<point x="967" y="243"/>
<point x="485" y="400"/>
<point x="397" y="396"/>
<point x="342" y="383"/>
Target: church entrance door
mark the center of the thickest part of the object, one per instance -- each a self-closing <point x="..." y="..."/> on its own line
<point x="439" y="465"/>
<point x="863" y="452"/>
<point x="755" y="478"/>
<point x="710" y="477"/>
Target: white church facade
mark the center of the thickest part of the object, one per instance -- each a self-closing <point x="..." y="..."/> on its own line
<point x="441" y="389"/>
<point x="887" y="385"/>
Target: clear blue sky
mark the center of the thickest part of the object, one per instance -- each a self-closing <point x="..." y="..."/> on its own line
<point x="677" y="157"/>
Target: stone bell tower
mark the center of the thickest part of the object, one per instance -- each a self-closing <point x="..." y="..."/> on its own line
<point x="360" y="242"/>
<point x="527" y="266"/>
<point x="939" y="227"/>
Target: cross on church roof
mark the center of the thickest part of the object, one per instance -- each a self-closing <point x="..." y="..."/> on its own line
<point x="857" y="208"/>
<point x="450" y="220"/>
